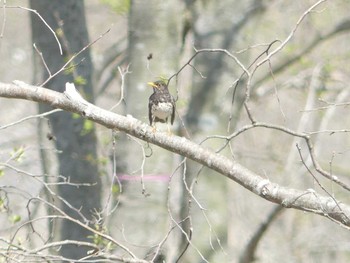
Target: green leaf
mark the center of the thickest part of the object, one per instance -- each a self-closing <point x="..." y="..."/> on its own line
<point x="103" y="161"/>
<point x="120" y="6"/>
<point x="15" y="219"/>
<point x="80" y="81"/>
<point x="59" y="32"/>
<point x="70" y="68"/>
<point x="88" y="127"/>
<point x="3" y="207"/>
<point x="115" y="189"/>
<point x="76" y="116"/>
<point x="17" y="154"/>
<point x="97" y="239"/>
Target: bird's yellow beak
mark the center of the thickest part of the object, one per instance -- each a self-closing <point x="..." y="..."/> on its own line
<point x="152" y="84"/>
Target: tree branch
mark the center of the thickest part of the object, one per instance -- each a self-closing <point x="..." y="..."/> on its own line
<point x="249" y="253"/>
<point x="307" y="200"/>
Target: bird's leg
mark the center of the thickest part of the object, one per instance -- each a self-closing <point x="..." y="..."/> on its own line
<point x="154" y="128"/>
<point x="169" y="132"/>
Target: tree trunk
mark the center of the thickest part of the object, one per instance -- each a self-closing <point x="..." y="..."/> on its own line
<point x="77" y="145"/>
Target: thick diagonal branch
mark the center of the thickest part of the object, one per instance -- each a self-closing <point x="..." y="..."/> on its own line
<point x="288" y="197"/>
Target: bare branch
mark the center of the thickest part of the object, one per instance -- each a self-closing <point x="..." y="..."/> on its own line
<point x="4" y="19"/>
<point x="255" y="183"/>
<point x="30" y="117"/>
<point x="291" y="34"/>
<point x="286" y="130"/>
<point x="64" y="67"/>
<point x="42" y="59"/>
<point x="122" y="73"/>
<point x="210" y="50"/>
<point x="43" y="20"/>
<point x="248" y="255"/>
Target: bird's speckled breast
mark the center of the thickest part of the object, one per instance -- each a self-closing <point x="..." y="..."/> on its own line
<point x="162" y="110"/>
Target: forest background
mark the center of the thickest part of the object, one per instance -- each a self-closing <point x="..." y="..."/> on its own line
<point x="256" y="167"/>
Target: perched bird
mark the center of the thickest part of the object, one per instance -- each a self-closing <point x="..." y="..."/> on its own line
<point x="161" y="104"/>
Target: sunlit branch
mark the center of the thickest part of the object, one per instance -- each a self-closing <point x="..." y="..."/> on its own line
<point x="253" y="182"/>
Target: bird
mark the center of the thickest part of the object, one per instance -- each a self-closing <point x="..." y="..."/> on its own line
<point x="161" y="105"/>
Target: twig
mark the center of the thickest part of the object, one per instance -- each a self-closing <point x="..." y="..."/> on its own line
<point x="233" y="170"/>
<point x="43" y="20"/>
<point x="247" y="95"/>
<point x="64" y="67"/>
<point x="305" y="119"/>
<point x="122" y="73"/>
<point x="108" y="209"/>
<point x="42" y="59"/>
<point x="319" y="184"/>
<point x="4" y="19"/>
<point x="63" y="215"/>
<point x="329" y="106"/>
<point x="276" y="91"/>
<point x="142" y="165"/>
<point x="303" y="135"/>
<point x="209" y="50"/>
<point x="30" y="117"/>
<point x="248" y="254"/>
<point x="291" y="34"/>
<point x="185" y="248"/>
